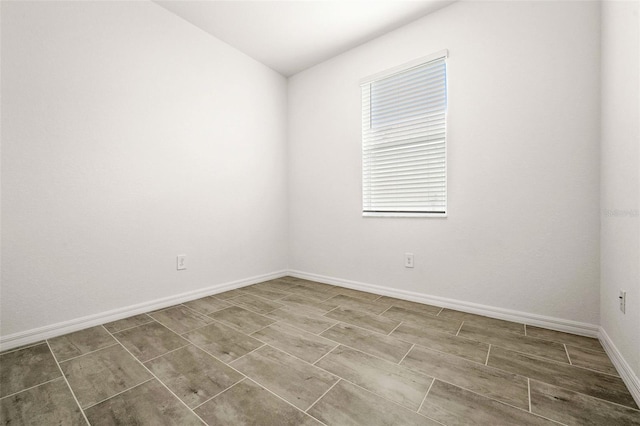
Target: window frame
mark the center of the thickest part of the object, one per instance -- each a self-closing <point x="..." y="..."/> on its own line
<point x="442" y="54"/>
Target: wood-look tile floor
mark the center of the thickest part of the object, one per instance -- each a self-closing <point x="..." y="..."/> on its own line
<point x="296" y="352"/>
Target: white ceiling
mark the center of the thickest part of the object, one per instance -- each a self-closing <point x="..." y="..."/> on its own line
<point x="290" y="36"/>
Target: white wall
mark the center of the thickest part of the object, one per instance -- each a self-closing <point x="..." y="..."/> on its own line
<point x="128" y="137"/>
<point x="523" y="159"/>
<point x="620" y="168"/>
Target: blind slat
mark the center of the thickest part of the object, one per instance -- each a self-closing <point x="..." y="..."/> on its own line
<point x="404" y="141"/>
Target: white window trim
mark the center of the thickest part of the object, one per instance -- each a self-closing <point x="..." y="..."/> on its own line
<point x="444" y="53"/>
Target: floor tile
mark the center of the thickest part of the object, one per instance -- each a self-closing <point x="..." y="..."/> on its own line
<point x="362" y="319"/>
<point x="148" y="404"/>
<point x="357" y="293"/>
<point x="594" y="360"/>
<point x="566" y="338"/>
<point x="573" y="408"/>
<point x="309" y="305"/>
<point x="445" y="325"/>
<point x="294" y="341"/>
<point x="102" y="374"/>
<point x="150" y="340"/>
<point x="603" y="386"/>
<point x="27" y="367"/>
<point x="443" y="342"/>
<point x="373" y="343"/>
<point x="387" y="379"/>
<point x="181" y="319"/>
<point x="265" y="292"/>
<point x="248" y="404"/>
<point x="296" y="381"/>
<point x="346" y="404"/>
<point x="506" y="326"/>
<point x="414" y="306"/>
<point x="223" y="342"/>
<point x="514" y="342"/>
<point x="315" y="293"/>
<point x="242" y="319"/>
<point x="256" y="303"/>
<point x="279" y="284"/>
<point x="48" y="404"/>
<point x="451" y="405"/>
<point x="487" y="381"/>
<point x="207" y="305"/>
<point x="229" y="294"/>
<point x="315" y="284"/>
<point x="359" y="304"/>
<point x="17" y="348"/>
<point x="193" y="375"/>
<point x="81" y="342"/>
<point x="130" y="322"/>
<point x="313" y="323"/>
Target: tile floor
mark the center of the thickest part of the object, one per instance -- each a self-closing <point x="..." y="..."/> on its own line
<point x="296" y="352"/>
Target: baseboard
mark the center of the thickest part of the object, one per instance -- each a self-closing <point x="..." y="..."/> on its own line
<point x="626" y="372"/>
<point x="37" y="334"/>
<point x="559" y="324"/>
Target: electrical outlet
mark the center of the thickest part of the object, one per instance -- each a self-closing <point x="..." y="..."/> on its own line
<point x="408" y="260"/>
<point x="623" y="300"/>
<point x="181" y="262"/>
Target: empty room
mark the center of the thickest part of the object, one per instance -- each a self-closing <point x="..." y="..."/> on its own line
<point x="320" y="212"/>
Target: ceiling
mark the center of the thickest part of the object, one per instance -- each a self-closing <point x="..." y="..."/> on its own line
<point x="290" y="36"/>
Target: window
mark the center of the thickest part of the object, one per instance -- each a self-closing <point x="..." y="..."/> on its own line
<point x="404" y="114"/>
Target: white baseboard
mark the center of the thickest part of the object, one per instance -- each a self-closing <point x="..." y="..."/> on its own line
<point x="626" y="372"/>
<point x="559" y="324"/>
<point x="37" y="334"/>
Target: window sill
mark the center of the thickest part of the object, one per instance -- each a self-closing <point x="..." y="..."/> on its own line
<point x="408" y="215"/>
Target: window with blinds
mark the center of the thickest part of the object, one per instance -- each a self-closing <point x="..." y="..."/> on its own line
<point x="404" y="140"/>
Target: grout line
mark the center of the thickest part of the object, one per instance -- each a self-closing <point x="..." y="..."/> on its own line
<point x="497" y="400"/>
<point x="219" y="393"/>
<point x="460" y="328"/>
<point x="31" y="387"/>
<point x="377" y="333"/>
<point x="67" y="382"/>
<point x="19" y="348"/>
<point x="332" y="325"/>
<point x="377" y="298"/>
<point x="321" y="396"/>
<point x="284" y="400"/>
<point x="529" y="392"/>
<point x="439" y="312"/>
<point x="486" y="361"/>
<point x="318" y="360"/>
<point x="405" y="355"/>
<point x="160" y="381"/>
<point x="219" y="360"/>
<point x="525" y="329"/>
<point x="88" y="353"/>
<point x="167" y="353"/>
<point x="567" y="352"/>
<point x="331" y="310"/>
<point x="276" y="321"/>
<point x="151" y="319"/>
<point x="113" y="333"/>
<point x="206" y="314"/>
<point x="120" y="393"/>
<point x="394" y="328"/>
<point x="242" y="356"/>
<point x="381" y="313"/>
<point x="425" y="396"/>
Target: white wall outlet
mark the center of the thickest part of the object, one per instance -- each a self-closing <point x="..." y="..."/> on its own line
<point x="181" y="262"/>
<point x="623" y="300"/>
<point x="408" y="260"/>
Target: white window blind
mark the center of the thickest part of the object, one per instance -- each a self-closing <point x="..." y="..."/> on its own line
<point x="404" y="140"/>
